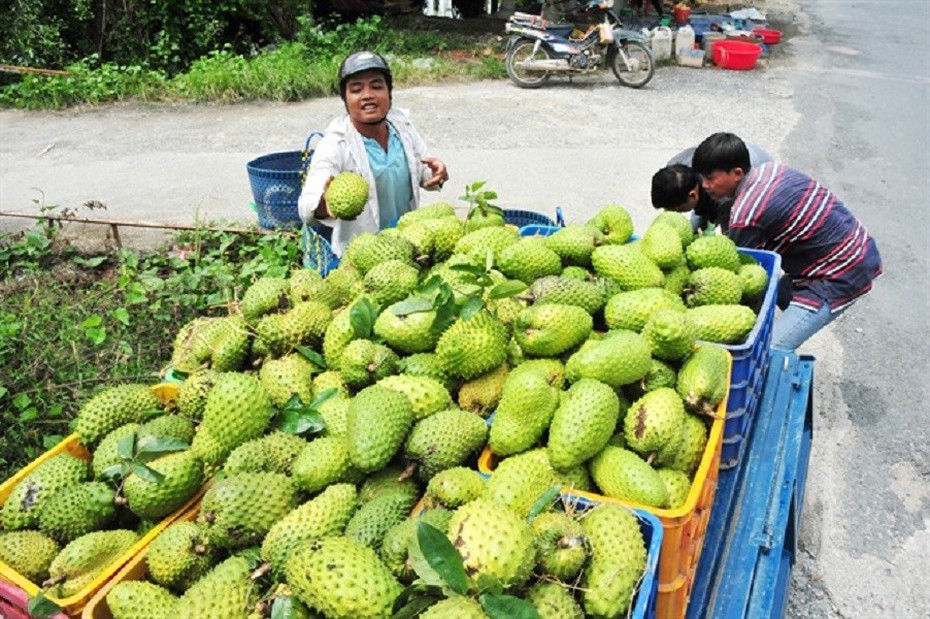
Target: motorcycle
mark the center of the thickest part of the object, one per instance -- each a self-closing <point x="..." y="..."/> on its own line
<point x="537" y="50"/>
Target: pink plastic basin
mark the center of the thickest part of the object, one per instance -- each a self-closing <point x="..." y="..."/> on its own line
<point x="736" y="55"/>
<point x="769" y="36"/>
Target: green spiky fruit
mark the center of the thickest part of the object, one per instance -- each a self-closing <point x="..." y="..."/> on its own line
<point x="272" y="453"/>
<point x="703" y="379"/>
<point x="346" y="195"/>
<point x="168" y="426"/>
<point x="237" y="511"/>
<point x="575" y="243"/>
<point x="343" y="579"/>
<point x="493" y="541"/>
<point x="481" y="395"/>
<point x="677" y="484"/>
<point x="677" y="222"/>
<point x="24" y="504"/>
<point x="114" y="407"/>
<point x="427" y="395"/>
<point x="654" y="421"/>
<point x="225" y="592"/>
<point x="567" y="291"/>
<point x="373" y="519"/>
<point x="138" y="599"/>
<point x="690" y="451"/>
<point x="618" y="560"/>
<point x="713" y="251"/>
<point x="331" y="379"/>
<point x="391" y="281"/>
<point x="662" y="245"/>
<point x="549" y="330"/>
<point x="29" y="553"/>
<point x="473" y="346"/>
<point x="238" y="409"/>
<point x="338" y="334"/>
<point x="446" y="233"/>
<point x="396" y="543"/>
<point x="377" y="424"/>
<point x="615" y="223"/>
<point x="631" y="310"/>
<point x="231" y="345"/>
<point x="713" y="286"/>
<point x="725" y="324"/>
<point x="325" y="515"/>
<point x="347" y="281"/>
<point x="409" y="333"/>
<point x="677" y="278"/>
<point x="390" y="480"/>
<point x="77" y="510"/>
<point x="444" y="440"/>
<point x="554" y="601"/>
<point x="491" y="239"/>
<point x="288" y="376"/>
<point x="525" y="411"/>
<point x="519" y="481"/>
<point x="322" y="462"/>
<point x="628" y="266"/>
<point x="529" y="259"/>
<point x="179" y="556"/>
<point x="455" y="608"/>
<point x="335" y="414"/>
<point x="266" y="295"/>
<point x="621" y="358"/>
<point x="582" y="424"/>
<point x="81" y="561"/>
<point x="671" y="334"/>
<point x="192" y="393"/>
<point x="181" y="477"/>
<point x="436" y="210"/>
<point x="304" y="324"/>
<point x="454" y="487"/>
<point x="754" y="280"/>
<point x="561" y="546"/>
<point x="367" y="250"/>
<point x="364" y="362"/>
<point x="621" y="474"/>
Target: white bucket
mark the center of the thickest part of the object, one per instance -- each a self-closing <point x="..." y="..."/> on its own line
<point x="684" y="40"/>
<point x="662" y="43"/>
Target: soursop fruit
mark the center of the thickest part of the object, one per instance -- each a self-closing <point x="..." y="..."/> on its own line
<point x="631" y="310"/>
<point x="391" y="281"/>
<point x="396" y="543"/>
<point x="554" y="601"/>
<point x="492" y="541"/>
<point x="325" y="515"/>
<point x="24" y="504"/>
<point x="444" y="440"/>
<point x="575" y="243"/>
<point x="322" y="462"/>
<point x="167" y="426"/>
<point x="390" y="480"/>
<point x="549" y="330"/>
<point x="113" y="407"/>
<point x="272" y="453"/>
<point x="364" y="362"/>
<point x="713" y="286"/>
<point x="677" y="278"/>
<point x="755" y="280"/>
<point x="378" y="422"/>
<point x="482" y="394"/>
<point x="713" y="251"/>
<point x="677" y="222"/>
<point x="529" y="259"/>
<point x="335" y="414"/>
<point x="330" y="379"/>
<point x="690" y="451"/>
<point x="621" y="358"/>
<point x="628" y="266"/>
<point x="454" y="487"/>
<point x="622" y="474"/>
<point x="82" y="560"/>
<point x="671" y="334"/>
<point x="138" y="599"/>
<point x="677" y="484"/>
<point x="618" y="560"/>
<point x="179" y="556"/>
<point x="493" y="239"/>
<point x="662" y="245"/>
<point x="76" y="510"/>
<point x="373" y="519"/>
<point x="446" y="233"/>
<point x="225" y="592"/>
<point x="518" y="481"/>
<point x="238" y="409"/>
<point x="182" y="476"/>
<point x="724" y="324"/>
<point x="286" y="376"/>
<point x="343" y="579"/>
<point x="266" y="295"/>
<point x="703" y="380"/>
<point x="346" y="195"/>
<point x="347" y="281"/>
<point x="192" y="394"/>
<point x="455" y="608"/>
<point x="567" y="291"/>
<point x="304" y="324"/>
<point x="653" y="422"/>
<point x="661" y="374"/>
<point x="473" y="346"/>
<point x="582" y="424"/>
<point x="427" y="395"/>
<point x="238" y="511"/>
<point x="29" y="553"/>
<point x="525" y="411"/>
<point x="408" y="333"/>
<point x="437" y="210"/>
<point x="614" y="223"/>
<point x="561" y="545"/>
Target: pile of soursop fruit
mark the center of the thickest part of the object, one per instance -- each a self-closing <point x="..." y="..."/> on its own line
<point x="323" y="409"/>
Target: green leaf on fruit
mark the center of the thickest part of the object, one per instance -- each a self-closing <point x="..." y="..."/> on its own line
<point x="507" y="607"/>
<point x="312" y="356"/>
<point x="41" y="607"/>
<point x="471" y="307"/>
<point x="362" y="317"/>
<point x="442" y="557"/>
<point x="543" y="503"/>
<point x="160" y="445"/>
<point x="126" y="447"/>
<point x="145" y="472"/>
<point x="412" y="306"/>
<point x="507" y="289"/>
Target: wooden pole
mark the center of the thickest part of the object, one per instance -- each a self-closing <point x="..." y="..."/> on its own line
<point x="10" y="68"/>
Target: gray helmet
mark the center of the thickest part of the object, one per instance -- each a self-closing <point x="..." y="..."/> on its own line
<point x="363" y="61"/>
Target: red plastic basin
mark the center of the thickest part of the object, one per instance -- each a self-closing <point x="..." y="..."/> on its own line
<point x="769" y="36"/>
<point x="736" y="55"/>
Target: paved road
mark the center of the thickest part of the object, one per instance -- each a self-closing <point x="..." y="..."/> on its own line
<point x="845" y="98"/>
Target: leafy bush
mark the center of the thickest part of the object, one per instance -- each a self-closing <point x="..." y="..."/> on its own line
<point x="71" y="323"/>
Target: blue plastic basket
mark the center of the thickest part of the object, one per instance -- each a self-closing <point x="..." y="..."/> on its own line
<point x="750" y="362"/>
<point x="317" y="251"/>
<point x="520" y="218"/>
<point x="276" y="181"/>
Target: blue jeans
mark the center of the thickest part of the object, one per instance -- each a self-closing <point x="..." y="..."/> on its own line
<point x="797" y="324"/>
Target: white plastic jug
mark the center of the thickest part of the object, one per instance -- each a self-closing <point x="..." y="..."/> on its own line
<point x="684" y="40"/>
<point x="662" y="43"/>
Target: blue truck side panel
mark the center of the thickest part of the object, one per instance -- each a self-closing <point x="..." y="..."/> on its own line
<point x="745" y="567"/>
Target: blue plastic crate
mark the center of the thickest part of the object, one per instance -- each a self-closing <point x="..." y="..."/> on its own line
<point x="318" y="253"/>
<point x="276" y="180"/>
<point x="750" y="362"/>
<point x="520" y="218"/>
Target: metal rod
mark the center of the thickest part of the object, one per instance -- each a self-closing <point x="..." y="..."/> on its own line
<point x="146" y="224"/>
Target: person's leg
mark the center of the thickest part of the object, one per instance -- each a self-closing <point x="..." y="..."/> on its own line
<point x="797" y="324"/>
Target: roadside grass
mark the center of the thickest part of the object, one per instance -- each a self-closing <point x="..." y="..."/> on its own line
<point x="291" y="71"/>
<point x="72" y="323"/>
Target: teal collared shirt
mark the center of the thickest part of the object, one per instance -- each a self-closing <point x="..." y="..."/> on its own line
<point x="392" y="177"/>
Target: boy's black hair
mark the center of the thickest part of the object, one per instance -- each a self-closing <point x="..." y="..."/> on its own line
<point x="671" y="184"/>
<point x="721" y="151"/>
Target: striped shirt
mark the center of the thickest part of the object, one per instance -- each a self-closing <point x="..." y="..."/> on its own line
<point x="826" y="251"/>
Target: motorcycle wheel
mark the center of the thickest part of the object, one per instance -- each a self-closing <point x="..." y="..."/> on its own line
<point x="632" y="64"/>
<point x="521" y="52"/>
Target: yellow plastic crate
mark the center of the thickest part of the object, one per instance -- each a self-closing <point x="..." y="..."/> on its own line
<point x="97" y="607"/>
<point x="74" y="604"/>
<point x="684" y="528"/>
